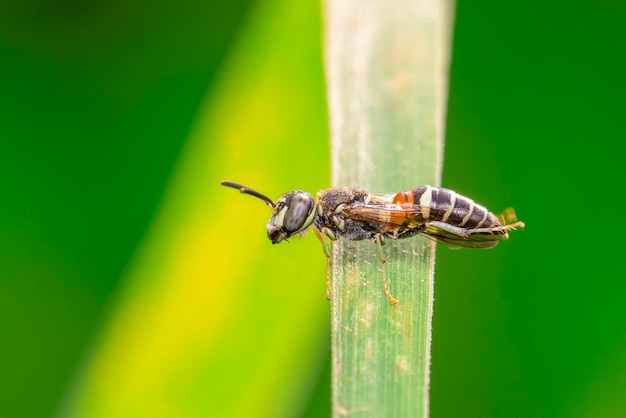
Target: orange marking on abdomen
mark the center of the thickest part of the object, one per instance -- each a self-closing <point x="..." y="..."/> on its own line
<point x="404" y="198"/>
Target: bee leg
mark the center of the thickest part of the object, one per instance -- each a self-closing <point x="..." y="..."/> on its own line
<point x="378" y="239"/>
<point x="508" y="216"/>
<point x="466" y="232"/>
<point x="323" y="236"/>
<point x="501" y="228"/>
<point x="456" y="230"/>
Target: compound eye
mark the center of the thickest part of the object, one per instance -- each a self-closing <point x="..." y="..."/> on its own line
<point x="298" y="212"/>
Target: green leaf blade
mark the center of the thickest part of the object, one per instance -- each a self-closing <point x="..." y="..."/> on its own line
<point x="386" y="68"/>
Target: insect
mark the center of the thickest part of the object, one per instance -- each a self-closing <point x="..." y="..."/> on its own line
<point x="349" y="212"/>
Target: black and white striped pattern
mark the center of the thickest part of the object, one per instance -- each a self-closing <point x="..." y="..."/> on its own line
<point x="447" y="206"/>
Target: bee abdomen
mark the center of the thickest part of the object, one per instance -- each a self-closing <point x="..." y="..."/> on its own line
<point x="444" y="205"/>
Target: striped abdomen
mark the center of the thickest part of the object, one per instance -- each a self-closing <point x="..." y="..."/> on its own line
<point x="444" y="205"/>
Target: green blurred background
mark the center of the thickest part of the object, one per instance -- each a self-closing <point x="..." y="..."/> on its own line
<point x="133" y="285"/>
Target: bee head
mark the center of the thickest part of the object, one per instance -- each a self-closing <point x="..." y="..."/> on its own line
<point x="292" y="213"/>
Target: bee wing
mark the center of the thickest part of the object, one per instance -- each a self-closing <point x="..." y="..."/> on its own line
<point x="390" y="215"/>
<point x="410" y="221"/>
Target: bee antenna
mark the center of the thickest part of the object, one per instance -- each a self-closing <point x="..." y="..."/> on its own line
<point x="251" y="192"/>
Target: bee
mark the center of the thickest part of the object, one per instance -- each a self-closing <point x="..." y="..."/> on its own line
<point x="354" y="214"/>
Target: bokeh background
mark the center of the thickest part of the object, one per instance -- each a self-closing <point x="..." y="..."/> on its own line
<point x="133" y="285"/>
